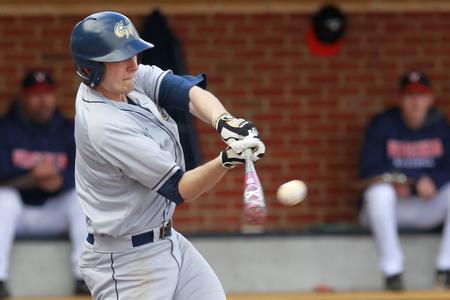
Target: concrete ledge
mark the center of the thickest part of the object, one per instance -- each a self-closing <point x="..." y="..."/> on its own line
<point x="293" y="264"/>
<point x="41" y="268"/>
<point x="257" y="264"/>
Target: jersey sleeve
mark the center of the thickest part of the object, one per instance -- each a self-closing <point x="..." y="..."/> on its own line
<point x="373" y="160"/>
<point x="137" y="156"/>
<point x="174" y="91"/>
<point x="148" y="81"/>
<point x="170" y="188"/>
<point x="7" y="170"/>
<point x="441" y="173"/>
<point x="70" y="149"/>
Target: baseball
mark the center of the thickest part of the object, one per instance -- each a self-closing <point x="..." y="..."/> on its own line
<point x="292" y="192"/>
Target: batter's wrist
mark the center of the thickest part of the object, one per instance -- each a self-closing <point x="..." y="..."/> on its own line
<point x="216" y="119"/>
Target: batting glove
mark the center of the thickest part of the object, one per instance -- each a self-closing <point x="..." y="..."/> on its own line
<point x="234" y="154"/>
<point x="233" y="129"/>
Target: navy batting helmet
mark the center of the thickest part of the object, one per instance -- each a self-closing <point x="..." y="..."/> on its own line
<point x="103" y="37"/>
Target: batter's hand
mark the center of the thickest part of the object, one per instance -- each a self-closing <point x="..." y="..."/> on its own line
<point x="233" y="129"/>
<point x="234" y="154"/>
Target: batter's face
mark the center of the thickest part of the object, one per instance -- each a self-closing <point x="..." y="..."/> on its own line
<point x="38" y="107"/>
<point x="119" y="79"/>
<point x="415" y="107"/>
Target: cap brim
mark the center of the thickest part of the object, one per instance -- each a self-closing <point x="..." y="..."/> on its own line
<point x="321" y="49"/>
<point x="416" y="88"/>
<point x="39" y="88"/>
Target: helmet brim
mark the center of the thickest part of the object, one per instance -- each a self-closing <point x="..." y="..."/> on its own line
<point x="128" y="50"/>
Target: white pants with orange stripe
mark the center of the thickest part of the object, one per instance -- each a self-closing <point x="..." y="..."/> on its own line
<point x="167" y="269"/>
<point x="384" y="214"/>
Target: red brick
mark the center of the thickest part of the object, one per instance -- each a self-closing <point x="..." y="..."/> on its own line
<point x="311" y="111"/>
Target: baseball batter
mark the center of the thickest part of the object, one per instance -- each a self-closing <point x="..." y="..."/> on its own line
<point x="130" y="170"/>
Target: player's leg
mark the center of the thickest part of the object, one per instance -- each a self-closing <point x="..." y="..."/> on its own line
<point x="443" y="258"/>
<point x="197" y="280"/>
<point x="379" y="212"/>
<point x="426" y="214"/>
<point x="420" y="213"/>
<point x="46" y="219"/>
<point x="147" y="272"/>
<point x="10" y="210"/>
<point x="57" y="215"/>
<point x="97" y="274"/>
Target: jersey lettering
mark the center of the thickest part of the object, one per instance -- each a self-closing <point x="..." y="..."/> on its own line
<point x="414" y="154"/>
<point x="26" y="159"/>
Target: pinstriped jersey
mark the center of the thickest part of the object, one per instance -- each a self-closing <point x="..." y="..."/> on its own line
<point x="125" y="153"/>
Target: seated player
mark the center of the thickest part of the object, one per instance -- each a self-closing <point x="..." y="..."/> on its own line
<point x="37" y="185"/>
<point x="406" y="164"/>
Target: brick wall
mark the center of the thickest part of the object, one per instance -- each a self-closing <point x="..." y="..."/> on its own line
<point x="310" y="111"/>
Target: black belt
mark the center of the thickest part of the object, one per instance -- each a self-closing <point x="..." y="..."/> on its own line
<point x="142" y="238"/>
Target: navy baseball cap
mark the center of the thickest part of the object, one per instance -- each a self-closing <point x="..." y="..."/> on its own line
<point x="38" y="81"/>
<point x="415" y="82"/>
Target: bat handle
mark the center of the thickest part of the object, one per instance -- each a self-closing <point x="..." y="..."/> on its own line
<point x="248" y="153"/>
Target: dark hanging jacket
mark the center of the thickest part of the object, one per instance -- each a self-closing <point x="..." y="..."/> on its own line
<point x="167" y="54"/>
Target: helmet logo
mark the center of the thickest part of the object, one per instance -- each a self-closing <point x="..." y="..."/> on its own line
<point x="121" y="30"/>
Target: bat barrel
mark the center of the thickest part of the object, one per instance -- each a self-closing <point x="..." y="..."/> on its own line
<point x="255" y="210"/>
<point x="255" y="215"/>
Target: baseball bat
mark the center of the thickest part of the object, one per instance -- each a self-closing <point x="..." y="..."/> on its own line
<point x="255" y="210"/>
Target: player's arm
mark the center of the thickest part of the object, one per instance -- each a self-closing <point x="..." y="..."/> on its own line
<point x="187" y="93"/>
<point x="197" y="181"/>
<point x="208" y="108"/>
<point x="10" y="175"/>
<point x="440" y="174"/>
<point x="68" y="173"/>
<point x="373" y="160"/>
<point x="21" y="182"/>
<point x="43" y="176"/>
<point x="13" y="177"/>
<point x="201" y="179"/>
<point x="204" y="105"/>
<point x="188" y="186"/>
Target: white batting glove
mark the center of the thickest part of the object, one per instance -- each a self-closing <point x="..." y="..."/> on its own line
<point x="233" y="129"/>
<point x="257" y="146"/>
<point x="234" y="154"/>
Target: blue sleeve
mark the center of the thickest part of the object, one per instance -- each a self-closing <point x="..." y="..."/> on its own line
<point x="7" y="169"/>
<point x="69" y="173"/>
<point x="441" y="173"/>
<point x="374" y="159"/>
<point x="170" y="188"/>
<point x="174" y="90"/>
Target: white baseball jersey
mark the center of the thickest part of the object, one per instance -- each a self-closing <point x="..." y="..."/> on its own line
<point x="125" y="153"/>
